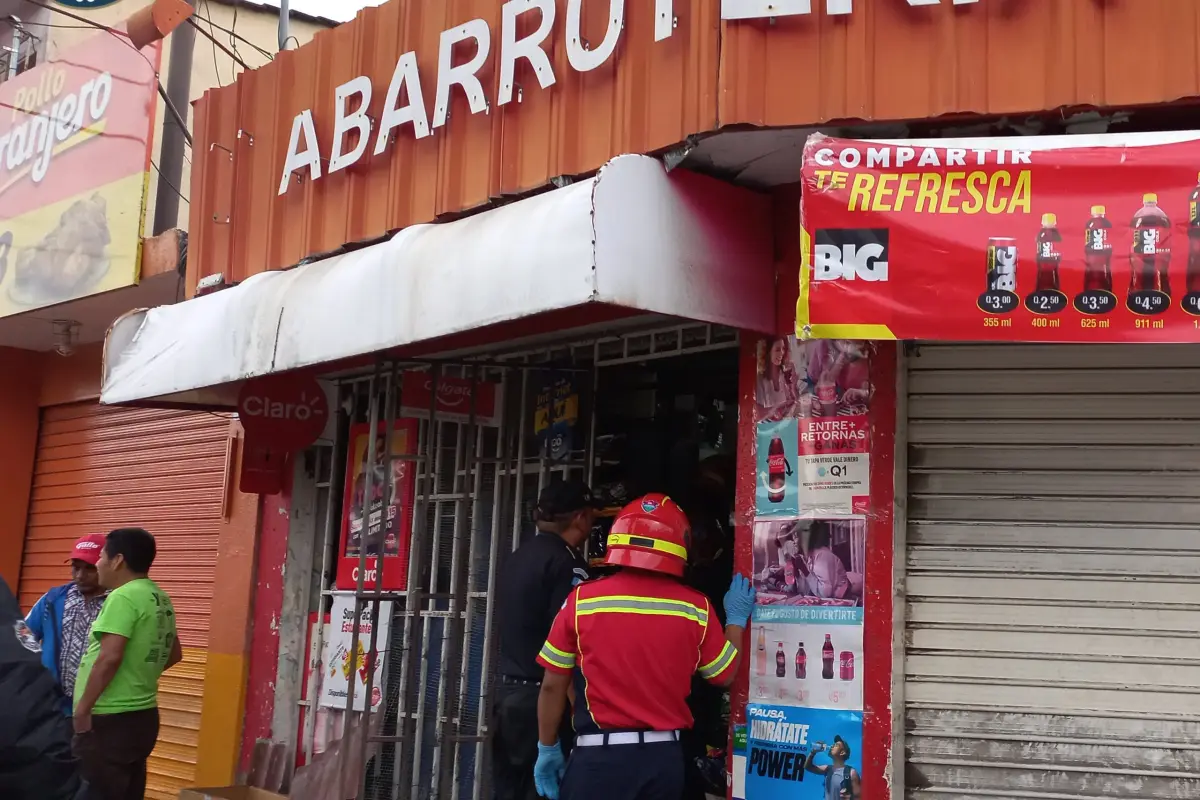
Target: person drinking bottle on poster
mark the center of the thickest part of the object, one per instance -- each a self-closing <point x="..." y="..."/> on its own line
<point x="842" y="782"/>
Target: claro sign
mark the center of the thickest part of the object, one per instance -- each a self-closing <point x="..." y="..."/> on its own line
<point x="353" y="98"/>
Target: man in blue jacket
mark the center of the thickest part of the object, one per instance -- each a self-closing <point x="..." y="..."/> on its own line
<point x="62" y="619"/>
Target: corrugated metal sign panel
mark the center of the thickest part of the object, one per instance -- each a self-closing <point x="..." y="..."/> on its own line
<point x="100" y="468"/>
<point x="1053" y="573"/>
<point x="650" y="95"/>
<point x="890" y="61"/>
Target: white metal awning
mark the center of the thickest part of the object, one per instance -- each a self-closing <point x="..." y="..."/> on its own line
<point x="633" y="236"/>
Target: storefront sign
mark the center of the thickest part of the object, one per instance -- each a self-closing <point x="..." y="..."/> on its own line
<point x="387" y="515"/>
<point x="340" y="666"/>
<point x="75" y="137"/>
<point x="1045" y="239"/>
<point x="766" y="9"/>
<point x="288" y="412"/>
<point x="454" y="398"/>
<point x="352" y="100"/>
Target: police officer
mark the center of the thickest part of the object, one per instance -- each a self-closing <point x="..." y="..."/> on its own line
<point x="631" y="643"/>
<point x="533" y="585"/>
<point x="35" y="737"/>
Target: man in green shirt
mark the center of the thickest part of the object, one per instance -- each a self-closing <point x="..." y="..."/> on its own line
<point x="132" y="643"/>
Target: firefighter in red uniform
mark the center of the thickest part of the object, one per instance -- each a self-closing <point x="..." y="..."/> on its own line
<point x="631" y="642"/>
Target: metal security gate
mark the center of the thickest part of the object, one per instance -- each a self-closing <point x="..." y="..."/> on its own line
<point x="1052" y="629"/>
<point x="476" y="486"/>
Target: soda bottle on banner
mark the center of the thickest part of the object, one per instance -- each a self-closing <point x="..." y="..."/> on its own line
<point x="1047" y="296"/>
<point x="777" y="471"/>
<point x="760" y="656"/>
<point x="827" y="659"/>
<point x="801" y="663"/>
<point x="780" y="662"/>
<point x="1191" y="302"/>
<point x="1150" y="259"/>
<point x="1000" y="289"/>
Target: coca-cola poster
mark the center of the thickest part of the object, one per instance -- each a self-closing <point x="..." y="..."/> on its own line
<point x="1028" y="238"/>
<point x="801" y="753"/>
<point x="813" y="434"/>
<point x="807" y="655"/>
<point x="389" y="529"/>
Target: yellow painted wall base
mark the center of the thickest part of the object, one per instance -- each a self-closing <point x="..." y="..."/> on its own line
<point x="221" y="718"/>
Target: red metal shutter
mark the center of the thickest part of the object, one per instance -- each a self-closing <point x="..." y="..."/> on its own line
<point x="100" y="468"/>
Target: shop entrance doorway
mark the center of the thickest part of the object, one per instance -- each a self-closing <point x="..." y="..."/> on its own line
<point x="461" y="451"/>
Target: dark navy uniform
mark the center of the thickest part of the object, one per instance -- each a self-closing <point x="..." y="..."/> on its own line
<point x="532" y="587"/>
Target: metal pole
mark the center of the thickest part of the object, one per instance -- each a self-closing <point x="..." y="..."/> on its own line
<point x="469" y="590"/>
<point x="410" y="650"/>
<point x="434" y="476"/>
<point x="482" y="725"/>
<point x="310" y="719"/>
<point x="174" y="137"/>
<point x="462" y="456"/>
<point x="519" y="494"/>
<point x="364" y="535"/>
<point x="389" y="412"/>
<point x="285" y="19"/>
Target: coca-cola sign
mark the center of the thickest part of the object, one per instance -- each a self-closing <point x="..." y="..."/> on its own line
<point x="454" y="398"/>
<point x="287" y="412"/>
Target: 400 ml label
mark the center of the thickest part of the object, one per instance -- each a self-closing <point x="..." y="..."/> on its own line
<point x="86" y="4"/>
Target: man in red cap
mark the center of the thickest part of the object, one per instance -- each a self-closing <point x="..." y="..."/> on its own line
<point x="631" y="642"/>
<point x="62" y="619"/>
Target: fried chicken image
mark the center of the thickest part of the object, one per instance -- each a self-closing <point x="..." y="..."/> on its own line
<point x="69" y="260"/>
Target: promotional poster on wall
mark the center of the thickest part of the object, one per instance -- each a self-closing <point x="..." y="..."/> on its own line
<point x="802" y="754"/>
<point x="813" y="442"/>
<point x="340" y="667"/>
<point x="817" y="562"/>
<point x="397" y="483"/>
<point x="809" y="656"/>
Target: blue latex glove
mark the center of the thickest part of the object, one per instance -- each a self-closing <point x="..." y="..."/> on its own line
<point x="739" y="601"/>
<point x="548" y="771"/>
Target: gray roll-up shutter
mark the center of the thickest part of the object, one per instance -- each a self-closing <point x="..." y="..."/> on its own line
<point x="1053" y="573"/>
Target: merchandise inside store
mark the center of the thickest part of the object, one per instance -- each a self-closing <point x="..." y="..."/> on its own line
<point x="654" y="410"/>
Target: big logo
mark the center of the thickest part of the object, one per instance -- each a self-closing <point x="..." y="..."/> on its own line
<point x="850" y="254"/>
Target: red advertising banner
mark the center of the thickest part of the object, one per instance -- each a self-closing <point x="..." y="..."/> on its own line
<point x="1039" y="239"/>
<point x="392" y="530"/>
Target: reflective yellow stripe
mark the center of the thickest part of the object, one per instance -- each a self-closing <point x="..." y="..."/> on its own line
<point x="653" y="606"/>
<point x="558" y="658"/>
<point x="719" y="664"/>
<point x="626" y="540"/>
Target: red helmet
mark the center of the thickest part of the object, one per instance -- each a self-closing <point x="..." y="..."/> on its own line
<point x="651" y="533"/>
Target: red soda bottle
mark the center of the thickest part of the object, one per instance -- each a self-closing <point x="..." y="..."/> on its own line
<point x="1150" y="255"/>
<point x="776" y="470"/>
<point x="1097" y="253"/>
<point x="1049" y="255"/>
<point x="801" y="662"/>
<point x="827" y="659"/>
<point x="1193" y="267"/>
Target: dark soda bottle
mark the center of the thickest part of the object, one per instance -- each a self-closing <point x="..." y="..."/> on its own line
<point x="801" y="663"/>
<point x="1150" y="254"/>
<point x="1193" y="267"/>
<point x="780" y="662"/>
<point x="1097" y="253"/>
<point x="1049" y="255"/>
<point x="827" y="659"/>
<point x="776" y="470"/>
